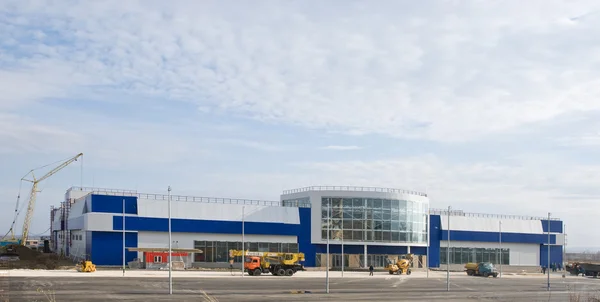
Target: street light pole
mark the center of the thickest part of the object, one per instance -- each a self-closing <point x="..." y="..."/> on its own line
<point x="448" y="254"/>
<point x="548" y="267"/>
<point x="500" y="227"/>
<point x="327" y="261"/>
<point x="428" y="238"/>
<point x="123" y="237"/>
<point x="243" y="241"/>
<point x="170" y="253"/>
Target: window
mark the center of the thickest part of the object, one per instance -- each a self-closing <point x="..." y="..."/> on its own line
<point x="462" y="255"/>
<point x="157" y="259"/>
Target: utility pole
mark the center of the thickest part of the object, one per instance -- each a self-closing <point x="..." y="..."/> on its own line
<point x="500" y="227"/>
<point x="448" y="254"/>
<point x="327" y="261"/>
<point x="428" y="238"/>
<point x="170" y="253"/>
<point x="123" y="237"/>
<point x="548" y="268"/>
<point x="243" y="241"/>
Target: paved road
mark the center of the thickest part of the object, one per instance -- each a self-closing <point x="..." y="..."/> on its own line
<point x="280" y="289"/>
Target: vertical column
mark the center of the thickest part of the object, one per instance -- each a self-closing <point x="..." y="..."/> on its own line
<point x="365" y="260"/>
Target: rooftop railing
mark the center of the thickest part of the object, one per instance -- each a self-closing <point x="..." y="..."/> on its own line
<point x="165" y="197"/>
<point x="352" y="188"/>
<point x="90" y="189"/>
<point x="484" y="215"/>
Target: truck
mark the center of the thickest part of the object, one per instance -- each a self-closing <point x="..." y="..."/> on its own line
<point x="402" y="265"/>
<point x="276" y="263"/>
<point x="484" y="269"/>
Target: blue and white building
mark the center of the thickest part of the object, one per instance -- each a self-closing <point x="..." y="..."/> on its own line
<point x="365" y="225"/>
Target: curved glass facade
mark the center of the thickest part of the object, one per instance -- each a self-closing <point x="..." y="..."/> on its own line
<point x="374" y="220"/>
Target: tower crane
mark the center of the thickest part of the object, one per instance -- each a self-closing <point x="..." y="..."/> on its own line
<point x="32" y="198"/>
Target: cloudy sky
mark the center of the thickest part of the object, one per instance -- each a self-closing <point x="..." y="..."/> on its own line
<point x="489" y="107"/>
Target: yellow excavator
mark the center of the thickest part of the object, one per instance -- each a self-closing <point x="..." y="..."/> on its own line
<point x="402" y="265"/>
<point x="276" y="263"/>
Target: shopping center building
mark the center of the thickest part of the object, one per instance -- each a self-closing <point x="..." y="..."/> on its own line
<point x="368" y="226"/>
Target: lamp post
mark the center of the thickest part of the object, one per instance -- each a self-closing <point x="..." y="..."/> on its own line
<point x="243" y="241"/>
<point x="123" y="237"/>
<point x="500" y="241"/>
<point x="548" y="267"/>
<point x="170" y="264"/>
<point x="448" y="254"/>
<point x="327" y="261"/>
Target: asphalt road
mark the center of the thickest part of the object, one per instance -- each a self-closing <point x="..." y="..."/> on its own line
<point x="281" y="289"/>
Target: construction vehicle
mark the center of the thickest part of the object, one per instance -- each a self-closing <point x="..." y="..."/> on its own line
<point x="31" y="204"/>
<point x="276" y="263"/>
<point x="485" y="269"/>
<point x="86" y="266"/>
<point x="401" y="266"/>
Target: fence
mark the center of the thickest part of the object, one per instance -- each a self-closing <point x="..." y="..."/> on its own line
<point x="433" y="211"/>
<point x="352" y="188"/>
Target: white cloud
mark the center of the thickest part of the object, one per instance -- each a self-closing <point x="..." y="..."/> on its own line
<point x="342" y="148"/>
<point x="448" y="72"/>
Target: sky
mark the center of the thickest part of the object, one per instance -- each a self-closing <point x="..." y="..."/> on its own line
<point x="487" y="106"/>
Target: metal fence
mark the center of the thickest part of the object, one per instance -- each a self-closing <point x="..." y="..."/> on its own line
<point x="165" y="197"/>
<point x="484" y="215"/>
<point x="353" y="188"/>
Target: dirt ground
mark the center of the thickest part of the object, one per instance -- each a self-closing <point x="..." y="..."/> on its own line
<point x="32" y="259"/>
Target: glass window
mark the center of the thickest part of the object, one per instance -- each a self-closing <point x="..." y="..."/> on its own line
<point x="378" y="204"/>
<point x="370" y="203"/>
<point x="387" y="236"/>
<point x="378" y="236"/>
<point x="347" y="202"/>
<point x="357" y="214"/>
<point x="403" y="237"/>
<point x="395" y="205"/>
<point x="358" y="203"/>
<point x="347" y="235"/>
<point x="386" y="226"/>
<point x="395" y="236"/>
<point x="325" y="202"/>
<point x="358" y="235"/>
<point x="348" y="213"/>
<point x="347" y="224"/>
<point x="387" y="204"/>
<point x="357" y="224"/>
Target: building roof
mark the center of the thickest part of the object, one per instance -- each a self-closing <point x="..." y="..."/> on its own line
<point x="352" y="188"/>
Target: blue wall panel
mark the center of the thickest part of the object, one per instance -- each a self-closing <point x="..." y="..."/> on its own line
<point x="304" y="242"/>
<point x="385" y="250"/>
<point x="337" y="249"/>
<point x="107" y="247"/>
<point x="114" y="204"/>
<point x="134" y="223"/>
<point x="556" y="226"/>
<point x="435" y="229"/>
<point x="495" y="236"/>
<point x="555" y="254"/>
<point x="418" y="250"/>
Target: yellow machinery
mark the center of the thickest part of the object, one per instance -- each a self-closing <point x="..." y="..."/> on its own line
<point x="276" y="263"/>
<point x="402" y="266"/>
<point x="31" y="204"/>
<point x="87" y="266"/>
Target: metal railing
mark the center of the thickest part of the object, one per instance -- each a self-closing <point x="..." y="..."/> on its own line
<point x="352" y="188"/>
<point x="484" y="215"/>
<point x="165" y="197"/>
<point x="91" y="189"/>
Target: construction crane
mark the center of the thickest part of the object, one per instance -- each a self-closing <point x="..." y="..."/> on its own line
<point x="276" y="263"/>
<point x="32" y="199"/>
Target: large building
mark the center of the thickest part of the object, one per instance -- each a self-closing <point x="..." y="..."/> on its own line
<point x="366" y="225"/>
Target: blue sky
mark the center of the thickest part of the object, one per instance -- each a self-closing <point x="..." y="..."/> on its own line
<point x="489" y="107"/>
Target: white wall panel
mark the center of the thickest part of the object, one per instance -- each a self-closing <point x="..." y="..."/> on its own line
<point x="523" y="254"/>
<point x="77" y="249"/>
<point x="217" y="211"/>
<point x="98" y="221"/>
<point x="476" y="224"/>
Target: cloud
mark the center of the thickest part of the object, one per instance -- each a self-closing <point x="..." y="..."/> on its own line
<point x="252" y="144"/>
<point x="342" y="148"/>
<point x="454" y="72"/>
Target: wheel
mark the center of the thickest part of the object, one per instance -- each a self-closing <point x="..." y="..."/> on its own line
<point x="280" y="272"/>
<point x="391" y="272"/>
<point x="250" y="273"/>
<point x="470" y="272"/>
<point x="486" y="274"/>
<point x="408" y="272"/>
<point x="495" y="275"/>
<point x="289" y="272"/>
<point x="257" y="272"/>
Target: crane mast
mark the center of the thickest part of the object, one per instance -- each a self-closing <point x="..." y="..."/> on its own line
<point x="34" y="191"/>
